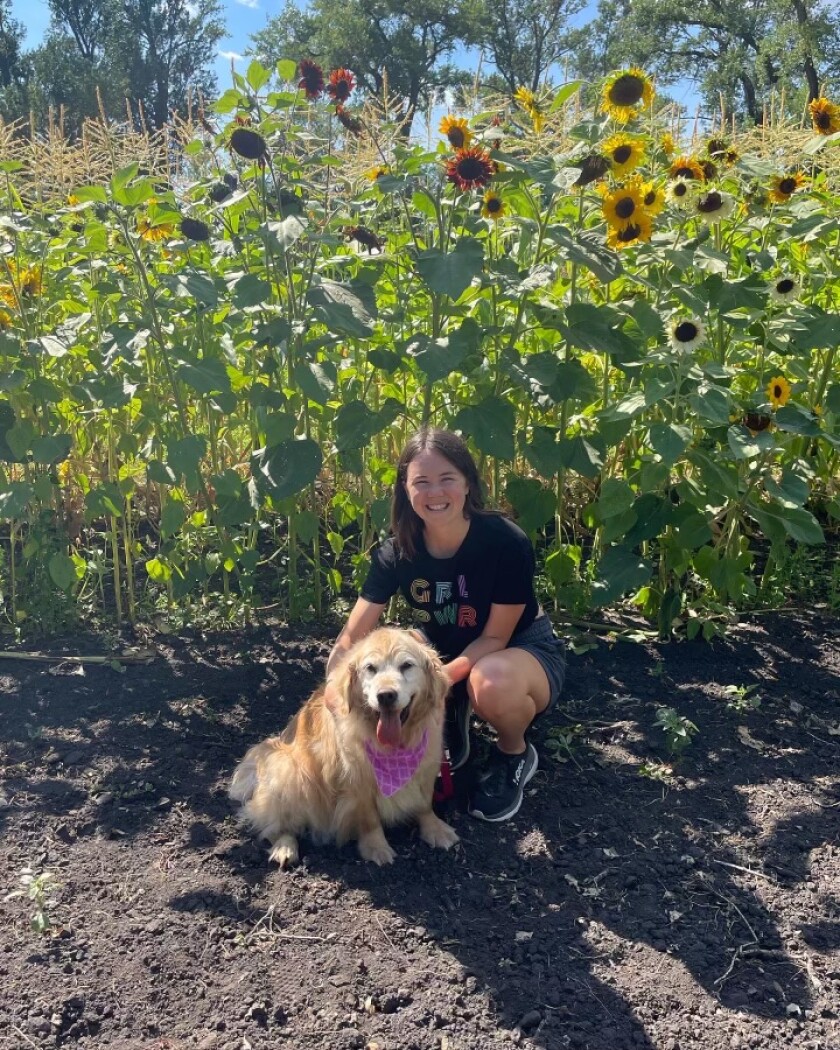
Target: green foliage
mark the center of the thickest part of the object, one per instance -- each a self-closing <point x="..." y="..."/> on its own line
<point x="679" y="731"/>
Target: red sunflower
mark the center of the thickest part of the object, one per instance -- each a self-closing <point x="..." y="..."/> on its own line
<point x="341" y="84"/>
<point x="311" y="78"/>
<point x="470" y="168"/>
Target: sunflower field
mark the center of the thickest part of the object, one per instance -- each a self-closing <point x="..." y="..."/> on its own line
<point x="213" y="350"/>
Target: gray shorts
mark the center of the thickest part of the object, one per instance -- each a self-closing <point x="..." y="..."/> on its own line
<point x="540" y="640"/>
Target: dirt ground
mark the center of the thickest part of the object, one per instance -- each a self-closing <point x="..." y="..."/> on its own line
<point x="618" y="910"/>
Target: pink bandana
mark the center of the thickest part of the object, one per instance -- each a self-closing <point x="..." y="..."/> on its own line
<point x="394" y="768"/>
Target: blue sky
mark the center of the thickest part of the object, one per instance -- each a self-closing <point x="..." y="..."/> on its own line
<point x="245" y="17"/>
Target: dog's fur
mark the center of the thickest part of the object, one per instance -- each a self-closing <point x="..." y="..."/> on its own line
<point x="316" y="777"/>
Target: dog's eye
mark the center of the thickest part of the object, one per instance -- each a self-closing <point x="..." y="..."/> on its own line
<point x="369" y="668"/>
<point x="406" y="666"/>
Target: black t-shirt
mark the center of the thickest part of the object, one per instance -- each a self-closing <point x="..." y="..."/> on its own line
<point x="451" y="597"/>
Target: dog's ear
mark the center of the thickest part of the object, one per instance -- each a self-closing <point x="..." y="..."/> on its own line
<point x="344" y="690"/>
<point x="436" y="677"/>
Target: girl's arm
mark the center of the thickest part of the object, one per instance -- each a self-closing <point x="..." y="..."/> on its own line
<point x="361" y="621"/>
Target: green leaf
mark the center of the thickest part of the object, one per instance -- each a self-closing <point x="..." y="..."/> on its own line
<point x="287" y="70"/>
<point x="669" y="440"/>
<point x="490" y="424"/>
<point x="598" y="328"/>
<point x="104" y="501"/>
<point x="451" y="273"/>
<point x="587" y="249"/>
<point x="355" y="425"/>
<point x="712" y="403"/>
<point x="285" y="469"/>
<point x="307" y="524"/>
<point x="15" y="499"/>
<point x="616" y="498"/>
<point x="719" y="479"/>
<point x="794" y="419"/>
<point x="257" y="75"/>
<point x="832" y="399"/>
<point x="277" y="427"/>
<point x="249" y="290"/>
<point x="51" y="448"/>
<point x="797" y="522"/>
<point x="63" y="571"/>
<point x="581" y="455"/>
<point x="52" y="346"/>
<point x="544" y="452"/>
<point x="620" y="570"/>
<point x="184" y="454"/>
<point x="348" y="309"/>
<point x="790" y="490"/>
<point x="316" y="381"/>
<point x="438" y="357"/>
<point x="534" y="503"/>
<point x="283" y="233"/>
<point x="158" y="570"/>
<point x="205" y="377"/>
<point x="173" y="516"/>
<point x="746" y="445"/>
<point x="564" y="93"/>
<point x="814" y="331"/>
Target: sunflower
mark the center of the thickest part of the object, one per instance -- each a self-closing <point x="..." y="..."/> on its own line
<point x="149" y="232"/>
<point x="778" y="391"/>
<point x="625" y="93"/>
<point x="679" y="193"/>
<point x="825" y="116"/>
<point x="347" y="120"/>
<point x="686" y="333"/>
<point x="623" y="204"/>
<point x="340" y="85"/>
<point x="714" y="206"/>
<point x="667" y="144"/>
<point x="5" y="319"/>
<point x="653" y="198"/>
<point x="248" y="143"/>
<point x="31" y="281"/>
<point x="367" y="238"/>
<point x="783" y="187"/>
<point x="7" y="295"/>
<point x="378" y="172"/>
<point x="721" y="151"/>
<point x="493" y="206"/>
<point x="756" y="421"/>
<point x="457" y="131"/>
<point x="594" y="166"/>
<point x="624" y="152"/>
<point x="784" y="289"/>
<point x="686" y="167"/>
<point x="528" y="101"/>
<point x="471" y="168"/>
<point x="311" y="81"/>
<point x="195" y="229"/>
<point x="633" y="232"/>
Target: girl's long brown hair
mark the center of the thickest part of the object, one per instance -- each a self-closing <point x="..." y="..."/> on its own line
<point x="406" y="526"/>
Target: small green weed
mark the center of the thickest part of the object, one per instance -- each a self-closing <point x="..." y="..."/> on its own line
<point x="742" y="698"/>
<point x="678" y="730"/>
<point x="39" y="889"/>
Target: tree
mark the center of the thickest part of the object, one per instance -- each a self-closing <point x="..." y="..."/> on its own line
<point x="401" y="43"/>
<point x="525" y="38"/>
<point x="12" y="65"/>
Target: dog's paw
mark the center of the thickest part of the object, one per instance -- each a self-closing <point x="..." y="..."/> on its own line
<point x="285" y="851"/>
<point x="436" y="832"/>
<point x="375" y="849"/>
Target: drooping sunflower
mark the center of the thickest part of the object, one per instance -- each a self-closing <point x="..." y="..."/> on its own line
<point x="626" y="92"/>
<point x="377" y="172"/>
<point x="5" y="319"/>
<point x="653" y="198"/>
<point x="248" y="143"/>
<point x="784" y="289"/>
<point x="756" y="421"/>
<point x="528" y="101"/>
<point x="679" y="193"/>
<point x="686" y="333"/>
<point x="778" y="391"/>
<point x="622" y="205"/>
<point x="367" y="238"/>
<point x="31" y="281"/>
<point x="624" y="152"/>
<point x="825" y="116"/>
<point x="457" y="132"/>
<point x="714" y="205"/>
<point x="667" y="144"/>
<point x="721" y="151"/>
<point x="593" y="166"/>
<point x="783" y="187"/>
<point x="195" y="229"/>
<point x="640" y="229"/>
<point x="150" y="232"/>
<point x="687" y="167"/>
<point x="493" y="207"/>
<point x="311" y="81"/>
<point x="470" y="168"/>
<point x="348" y="121"/>
<point x="340" y="85"/>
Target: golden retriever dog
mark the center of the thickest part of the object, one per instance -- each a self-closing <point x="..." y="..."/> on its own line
<point x="342" y="769"/>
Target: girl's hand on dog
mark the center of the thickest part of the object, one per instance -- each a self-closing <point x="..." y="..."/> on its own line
<point x="458" y="669"/>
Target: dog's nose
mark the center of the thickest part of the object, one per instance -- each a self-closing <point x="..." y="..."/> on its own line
<point x="386" y="697"/>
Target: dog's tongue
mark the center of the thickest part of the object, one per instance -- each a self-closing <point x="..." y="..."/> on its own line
<point x="389" y="729"/>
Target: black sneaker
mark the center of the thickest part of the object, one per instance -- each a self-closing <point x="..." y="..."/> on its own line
<point x="499" y="792"/>
<point x="456" y="730"/>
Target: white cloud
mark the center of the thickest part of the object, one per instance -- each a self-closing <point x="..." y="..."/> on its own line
<point x="253" y="4"/>
<point x="231" y="56"/>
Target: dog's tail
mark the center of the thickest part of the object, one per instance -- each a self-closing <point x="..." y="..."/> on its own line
<point x="244" y="782"/>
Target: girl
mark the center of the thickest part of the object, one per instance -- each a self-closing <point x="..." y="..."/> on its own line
<point x="468" y="574"/>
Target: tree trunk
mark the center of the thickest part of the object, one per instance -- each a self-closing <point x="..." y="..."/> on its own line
<point x="808" y="61"/>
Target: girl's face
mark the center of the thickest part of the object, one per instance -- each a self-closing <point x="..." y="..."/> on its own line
<point x="436" y="489"/>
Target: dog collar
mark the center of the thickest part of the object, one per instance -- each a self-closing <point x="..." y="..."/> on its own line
<point x="393" y="769"/>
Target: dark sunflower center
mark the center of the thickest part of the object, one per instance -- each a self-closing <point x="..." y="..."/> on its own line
<point x="787" y="184"/>
<point x="493" y="204"/>
<point x="777" y="391"/>
<point x="650" y="198"/>
<point x="625" y="207"/>
<point x="456" y="137"/>
<point x="627" y="90"/>
<point x="470" y="168"/>
<point x="685" y="173"/>
<point x="822" y="120"/>
<point x="680" y="190"/>
<point x="711" y="203"/>
<point x="621" y="154"/>
<point x="686" y="331"/>
<point x="717" y="148"/>
<point x="629" y="233"/>
<point x="785" y="285"/>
